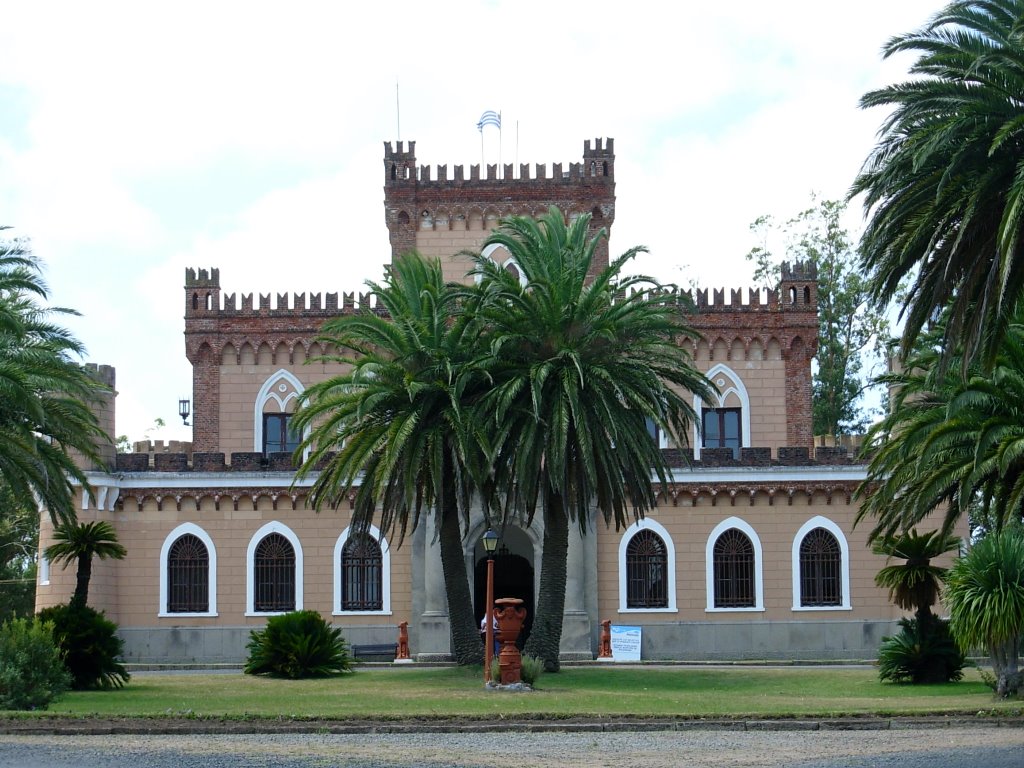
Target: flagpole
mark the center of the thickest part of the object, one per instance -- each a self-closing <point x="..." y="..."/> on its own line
<point x="398" y="112"/>
<point x="499" y="140"/>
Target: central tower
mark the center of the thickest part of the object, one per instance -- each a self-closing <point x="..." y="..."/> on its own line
<point x="440" y="214"/>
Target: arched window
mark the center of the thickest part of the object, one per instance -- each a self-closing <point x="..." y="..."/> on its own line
<point x="272" y="414"/>
<point x="362" y="573"/>
<point x="734" y="570"/>
<point x="821" y="567"/>
<point x="724" y="421"/>
<point x="188" y="576"/>
<point x="274" y="575"/>
<point x="188" y="573"/>
<point x="646" y="571"/>
<point x="362" y="587"/>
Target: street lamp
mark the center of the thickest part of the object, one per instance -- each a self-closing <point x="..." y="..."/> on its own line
<point x="184" y="409"/>
<point x="490" y="543"/>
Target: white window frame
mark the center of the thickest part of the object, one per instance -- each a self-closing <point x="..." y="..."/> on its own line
<point x="267" y="394"/>
<point x="844" y="566"/>
<point x="670" y="551"/>
<point x="211" y="578"/>
<point x="385" y="564"/>
<point x="250" y="567"/>
<point x="709" y="562"/>
<point x="486" y="253"/>
<point x="739" y="389"/>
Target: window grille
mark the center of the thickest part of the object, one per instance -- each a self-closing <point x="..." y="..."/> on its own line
<point x="734" y="570"/>
<point x="188" y="576"/>
<point x="646" y="571"/>
<point x="362" y="575"/>
<point x="821" y="562"/>
<point x="274" y="577"/>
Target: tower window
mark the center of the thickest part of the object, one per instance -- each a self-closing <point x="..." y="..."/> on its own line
<point x="278" y="435"/>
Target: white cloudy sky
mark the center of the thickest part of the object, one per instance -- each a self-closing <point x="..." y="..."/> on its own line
<point x="138" y="139"/>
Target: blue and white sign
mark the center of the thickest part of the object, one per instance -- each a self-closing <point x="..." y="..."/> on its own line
<point x="626" y="643"/>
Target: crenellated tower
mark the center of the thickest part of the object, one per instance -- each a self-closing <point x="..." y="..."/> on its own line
<point x="440" y="211"/>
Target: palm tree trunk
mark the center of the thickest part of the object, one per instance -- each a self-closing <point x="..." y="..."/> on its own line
<point x="82" y="578"/>
<point x="546" y="635"/>
<point x="1009" y="679"/>
<point x="465" y="636"/>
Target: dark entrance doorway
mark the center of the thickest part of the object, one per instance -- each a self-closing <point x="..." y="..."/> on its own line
<point x="513" y="577"/>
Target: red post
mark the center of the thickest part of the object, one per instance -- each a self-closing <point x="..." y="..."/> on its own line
<point x="604" y="649"/>
<point x="403" y="643"/>
<point x="489" y="631"/>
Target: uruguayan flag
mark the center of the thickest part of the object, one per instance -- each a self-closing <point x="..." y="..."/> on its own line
<point x="490" y="117"/>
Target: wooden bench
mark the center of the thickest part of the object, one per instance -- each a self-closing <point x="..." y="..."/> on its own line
<point x="370" y="650"/>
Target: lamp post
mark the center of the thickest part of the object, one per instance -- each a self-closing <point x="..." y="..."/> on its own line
<point x="490" y="543"/>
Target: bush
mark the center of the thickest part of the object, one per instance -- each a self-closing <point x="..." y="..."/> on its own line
<point x="920" y="655"/>
<point x="32" y="673"/>
<point x="90" y="646"/>
<point x="297" y="644"/>
<point x="530" y="670"/>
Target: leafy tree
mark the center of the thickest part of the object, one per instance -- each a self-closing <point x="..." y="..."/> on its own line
<point x="582" y="358"/>
<point x="943" y="188"/>
<point x="948" y="444"/>
<point x="396" y="425"/>
<point x="985" y="596"/>
<point x="19" y="542"/>
<point x="46" y="396"/>
<point x="81" y="542"/>
<point x="32" y="673"/>
<point x="849" y="329"/>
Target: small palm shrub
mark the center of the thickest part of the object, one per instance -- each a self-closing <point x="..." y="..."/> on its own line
<point x="530" y="670"/>
<point x="89" y="643"/>
<point x="32" y="673"/>
<point x="920" y="654"/>
<point x="297" y="644"/>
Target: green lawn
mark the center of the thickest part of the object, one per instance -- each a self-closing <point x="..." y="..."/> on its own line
<point x="601" y="691"/>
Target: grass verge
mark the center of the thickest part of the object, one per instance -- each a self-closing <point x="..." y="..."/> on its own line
<point x="391" y="694"/>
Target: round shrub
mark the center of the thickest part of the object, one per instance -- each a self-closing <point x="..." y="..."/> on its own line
<point x="89" y="643"/>
<point x="920" y="654"/>
<point x="297" y="644"/>
<point x="32" y="673"/>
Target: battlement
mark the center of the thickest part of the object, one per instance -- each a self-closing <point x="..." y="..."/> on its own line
<point x="799" y="270"/>
<point x="279" y="305"/>
<point x="105" y="374"/>
<point x="733" y="300"/>
<point x="400" y="168"/>
<point x="202" y="279"/>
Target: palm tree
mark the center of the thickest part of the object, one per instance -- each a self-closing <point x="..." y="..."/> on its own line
<point x="46" y="395"/>
<point x="81" y="542"/>
<point x="948" y="444"/>
<point x="916" y="584"/>
<point x="395" y="424"/>
<point x="944" y="187"/>
<point x="985" y="596"/>
<point x="582" y="361"/>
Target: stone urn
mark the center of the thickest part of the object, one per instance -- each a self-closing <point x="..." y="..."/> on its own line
<point x="511" y="614"/>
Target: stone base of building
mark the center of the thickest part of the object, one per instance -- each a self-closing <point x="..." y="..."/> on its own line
<point x="683" y="641"/>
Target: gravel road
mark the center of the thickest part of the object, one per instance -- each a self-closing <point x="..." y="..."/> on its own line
<point x="968" y="747"/>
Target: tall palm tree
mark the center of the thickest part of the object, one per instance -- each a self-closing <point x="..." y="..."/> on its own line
<point x="946" y="443"/>
<point x="916" y="584"/>
<point x="583" y="358"/>
<point x="45" y="396"/>
<point x="985" y="596"/>
<point x="81" y="542"/>
<point x="394" y="426"/>
<point x="944" y="187"/>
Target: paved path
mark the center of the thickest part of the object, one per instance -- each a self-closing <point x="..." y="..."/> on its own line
<point x="960" y="747"/>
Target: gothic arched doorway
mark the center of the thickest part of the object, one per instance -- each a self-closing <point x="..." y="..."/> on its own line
<point x="513" y="577"/>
